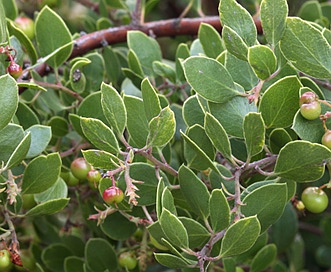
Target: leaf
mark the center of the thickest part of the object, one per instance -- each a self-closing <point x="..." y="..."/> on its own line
<point x="210" y="40"/>
<point x="193" y="112"/>
<point x="3" y="28"/>
<point x="48" y="207"/>
<point x="20" y="152"/>
<point x="273" y="19"/>
<point x="99" y="134"/>
<point x="210" y="79"/>
<point x="162" y="128"/>
<point x="234" y="43"/>
<point x="293" y="162"/>
<point x="264" y="258"/>
<point x="134" y="64"/>
<point x="231" y="114"/>
<point x="267" y="202"/>
<point x="182" y="53"/>
<point x="240" y="236"/>
<point x="10" y="8"/>
<point x="277" y="139"/>
<point x="78" y="84"/>
<point x="59" y="126"/>
<point x="306" y="48"/>
<point x="137" y="123"/>
<point x="40" y="137"/>
<point x="100" y="260"/>
<point x="159" y="194"/>
<point x="174" y="229"/>
<point x="219" y="211"/>
<point x="8" y="97"/>
<point x="58" y="190"/>
<point x="26" y="116"/>
<point x="194" y="191"/>
<point x="164" y="70"/>
<point x="100" y="159"/>
<point x="71" y="263"/>
<point x="167" y="201"/>
<point x="198" y="235"/>
<point x="263" y="61"/>
<point x="146" y="49"/>
<point x="280" y="102"/>
<point x="171" y="261"/>
<point x="218" y="136"/>
<point x="10" y="137"/>
<point x="235" y="16"/>
<point x="113" y="108"/>
<point x="94" y="73"/>
<point x="54" y="255"/>
<point x="41" y="173"/>
<point x="254" y="133"/>
<point x="47" y="19"/>
<point x="111" y="229"/>
<point x="151" y="101"/>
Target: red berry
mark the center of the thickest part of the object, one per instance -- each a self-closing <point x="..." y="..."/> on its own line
<point x="14" y="69"/>
<point x="112" y="195"/>
<point x="307" y="98"/>
<point x="80" y="167"/>
<point x="93" y="176"/>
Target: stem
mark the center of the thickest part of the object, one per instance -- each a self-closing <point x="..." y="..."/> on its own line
<point x="138" y="14"/>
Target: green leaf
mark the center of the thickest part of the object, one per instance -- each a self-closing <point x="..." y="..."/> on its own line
<point x="146" y="49"/>
<point x="198" y="149"/>
<point x="111" y="229"/>
<point x="167" y="201"/>
<point x="47" y="19"/>
<point x="219" y="211"/>
<point x="58" y="190"/>
<point x="159" y="193"/>
<point x="267" y="202"/>
<point x="10" y="137"/>
<point x="71" y="263"/>
<point x="137" y="123"/>
<point x="192" y="111"/>
<point x="306" y="48"/>
<point x="48" y="207"/>
<point x="8" y="97"/>
<point x="263" y="61"/>
<point x="41" y="173"/>
<point x="151" y="100"/>
<point x="231" y="114"/>
<point x="10" y="8"/>
<point x="210" y="79"/>
<point x="40" y="137"/>
<point x="164" y="70"/>
<point x="100" y="159"/>
<point x="3" y="28"/>
<point x="20" y="152"/>
<point x="254" y="133"/>
<point x="100" y="260"/>
<point x="26" y="116"/>
<point x="293" y="162"/>
<point x="100" y="135"/>
<point x="162" y="128"/>
<point x="310" y="11"/>
<point x="78" y="84"/>
<point x="174" y="229"/>
<point x="54" y="255"/>
<point x="280" y="102"/>
<point x="240" y="236"/>
<point x="24" y="40"/>
<point x="210" y="40"/>
<point x="147" y="190"/>
<point x="235" y="16"/>
<point x="59" y="126"/>
<point x="194" y="191"/>
<point x="157" y="233"/>
<point x="134" y="64"/>
<point x="94" y="73"/>
<point x="113" y="108"/>
<point x="218" y="136"/>
<point x="234" y="43"/>
<point x="273" y="19"/>
<point x="277" y="139"/>
<point x="182" y="53"/>
<point x="172" y="261"/>
<point x="264" y="258"/>
<point x="198" y="235"/>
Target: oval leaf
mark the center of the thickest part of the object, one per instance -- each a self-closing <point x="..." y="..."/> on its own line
<point x="48" y="207"/>
<point x="219" y="210"/>
<point x="40" y="137"/>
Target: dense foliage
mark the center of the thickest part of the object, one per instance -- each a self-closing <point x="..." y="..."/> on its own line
<point x="207" y="151"/>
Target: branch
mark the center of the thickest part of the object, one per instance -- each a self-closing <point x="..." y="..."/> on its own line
<point x="164" y="28"/>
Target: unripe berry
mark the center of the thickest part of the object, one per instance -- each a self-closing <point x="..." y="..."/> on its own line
<point x="113" y="195"/>
<point x="14" y="69"/>
<point x="80" y="167"/>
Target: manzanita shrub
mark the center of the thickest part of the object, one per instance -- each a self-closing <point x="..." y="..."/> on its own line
<point x="114" y="158"/>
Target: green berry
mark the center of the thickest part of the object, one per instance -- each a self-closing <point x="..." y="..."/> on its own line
<point x="315" y="199"/>
<point x="79" y="168"/>
<point x="128" y="260"/>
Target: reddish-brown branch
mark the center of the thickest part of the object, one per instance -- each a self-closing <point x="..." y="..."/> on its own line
<point x="164" y="28"/>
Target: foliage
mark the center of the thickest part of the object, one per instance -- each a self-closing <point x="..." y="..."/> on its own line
<point x="208" y="142"/>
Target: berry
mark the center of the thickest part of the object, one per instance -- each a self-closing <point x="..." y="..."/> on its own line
<point x="128" y="260"/>
<point x="26" y="25"/>
<point x="112" y="195"/>
<point x="14" y="69"/>
<point x="311" y="111"/>
<point x="79" y="168"/>
<point x="314" y="199"/>
<point x="93" y="177"/>
<point x="5" y="260"/>
<point x="310" y="107"/>
<point x="326" y="139"/>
